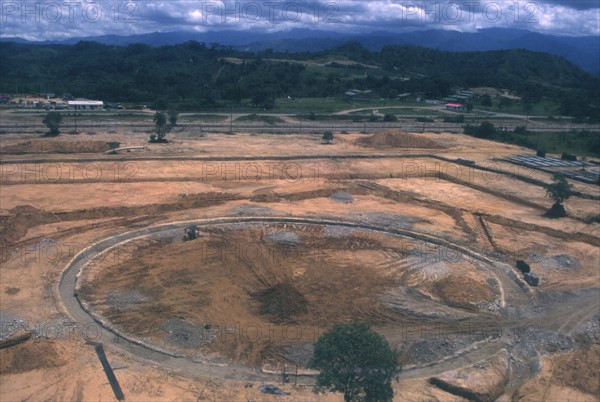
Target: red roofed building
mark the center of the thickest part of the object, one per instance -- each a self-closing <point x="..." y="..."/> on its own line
<point x="454" y="106"/>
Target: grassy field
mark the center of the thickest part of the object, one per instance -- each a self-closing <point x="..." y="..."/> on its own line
<point x="542" y="108"/>
<point x="334" y="117"/>
<point x="314" y="105"/>
<point x="257" y="118"/>
<point x="194" y="117"/>
<point x="404" y="111"/>
<point x="581" y="143"/>
<point x="333" y="105"/>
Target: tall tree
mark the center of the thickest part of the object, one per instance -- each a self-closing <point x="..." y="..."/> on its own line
<point x="161" y="126"/>
<point x="173" y="116"/>
<point x="355" y="360"/>
<point x="505" y="102"/>
<point x="52" y="121"/>
<point x="486" y="100"/>
<point x="560" y="191"/>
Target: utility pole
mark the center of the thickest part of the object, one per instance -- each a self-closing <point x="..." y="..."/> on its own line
<point x="231" y="121"/>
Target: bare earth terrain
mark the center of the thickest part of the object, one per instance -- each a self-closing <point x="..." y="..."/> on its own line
<point x="416" y="234"/>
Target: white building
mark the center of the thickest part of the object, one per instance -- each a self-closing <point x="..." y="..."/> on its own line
<point x="84" y="104"/>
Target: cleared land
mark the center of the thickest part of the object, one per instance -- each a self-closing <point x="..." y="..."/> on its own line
<point x="392" y="229"/>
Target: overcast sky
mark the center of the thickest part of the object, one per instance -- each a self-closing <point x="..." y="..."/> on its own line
<point x="60" y="19"/>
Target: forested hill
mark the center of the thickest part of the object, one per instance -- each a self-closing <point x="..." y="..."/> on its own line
<point x="199" y="76"/>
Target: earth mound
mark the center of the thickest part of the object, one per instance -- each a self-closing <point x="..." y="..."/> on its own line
<point x="397" y="139"/>
<point x="30" y="356"/>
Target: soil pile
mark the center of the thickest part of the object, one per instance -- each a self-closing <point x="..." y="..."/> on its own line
<point x="462" y="291"/>
<point x="16" y="224"/>
<point x="396" y="139"/>
<point x="28" y="356"/>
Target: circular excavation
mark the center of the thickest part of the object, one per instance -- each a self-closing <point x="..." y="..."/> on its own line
<point x="259" y="292"/>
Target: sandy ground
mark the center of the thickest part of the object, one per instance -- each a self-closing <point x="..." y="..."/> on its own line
<point x="75" y="203"/>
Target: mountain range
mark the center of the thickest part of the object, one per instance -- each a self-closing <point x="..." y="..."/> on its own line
<point x="582" y="51"/>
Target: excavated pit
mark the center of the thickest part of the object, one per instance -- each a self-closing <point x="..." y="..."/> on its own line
<point x="262" y="292"/>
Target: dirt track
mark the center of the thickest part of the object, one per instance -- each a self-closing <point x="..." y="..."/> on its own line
<point x="83" y="317"/>
<point x="514" y="290"/>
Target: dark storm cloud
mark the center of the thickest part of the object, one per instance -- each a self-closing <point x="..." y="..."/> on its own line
<point x="56" y="19"/>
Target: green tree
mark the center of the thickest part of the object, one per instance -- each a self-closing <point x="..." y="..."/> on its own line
<point x="559" y="190"/>
<point x="160" y="104"/>
<point x="161" y="126"/>
<point x="52" y="121"/>
<point x="485" y="130"/>
<point x="355" y="360"/>
<point x="389" y="117"/>
<point x="469" y="106"/>
<point x="263" y="99"/>
<point x="173" y="116"/>
<point x="505" y="102"/>
<point x="328" y="137"/>
<point x="486" y="100"/>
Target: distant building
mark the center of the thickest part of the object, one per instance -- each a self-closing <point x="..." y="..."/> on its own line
<point x="84" y="104"/>
<point x="454" y="106"/>
<point x="357" y="94"/>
